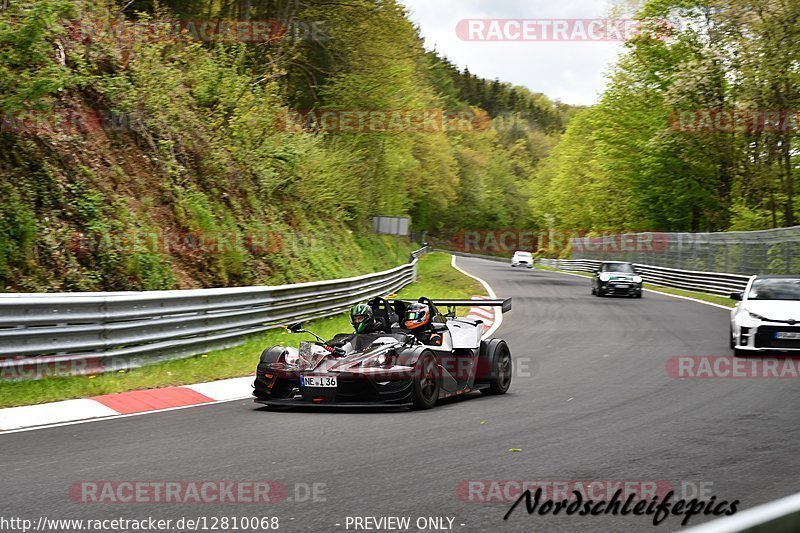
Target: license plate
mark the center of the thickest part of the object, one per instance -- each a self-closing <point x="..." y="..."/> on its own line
<point x="788" y="335"/>
<point x="620" y="285"/>
<point x="320" y="382"/>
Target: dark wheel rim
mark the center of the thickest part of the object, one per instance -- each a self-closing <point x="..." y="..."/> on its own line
<point x="427" y="382"/>
<point x="504" y="369"/>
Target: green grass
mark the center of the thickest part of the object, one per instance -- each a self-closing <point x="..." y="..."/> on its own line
<point x="712" y="298"/>
<point x="436" y="280"/>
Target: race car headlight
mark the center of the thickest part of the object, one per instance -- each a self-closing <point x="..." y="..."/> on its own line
<point x="605" y="277"/>
<point x="755" y="316"/>
<point x="384" y="360"/>
<point x="637" y="279"/>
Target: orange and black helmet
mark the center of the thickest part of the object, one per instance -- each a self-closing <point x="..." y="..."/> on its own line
<point x="417" y="316"/>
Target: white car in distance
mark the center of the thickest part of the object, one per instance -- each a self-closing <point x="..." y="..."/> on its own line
<point x="521" y="258"/>
<point x="767" y="317"/>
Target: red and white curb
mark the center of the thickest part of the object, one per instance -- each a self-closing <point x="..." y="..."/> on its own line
<point x="485" y="314"/>
<point x="123" y="404"/>
<point x="496" y="314"/>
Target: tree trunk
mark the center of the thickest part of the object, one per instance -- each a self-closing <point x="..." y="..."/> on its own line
<point x="787" y="162"/>
<point x="245" y="7"/>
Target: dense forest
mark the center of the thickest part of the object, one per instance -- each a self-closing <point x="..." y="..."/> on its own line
<point x="142" y="149"/>
<point x="695" y="132"/>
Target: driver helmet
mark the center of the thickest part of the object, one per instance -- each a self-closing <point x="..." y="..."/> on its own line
<point x="362" y="318"/>
<point x="417" y="316"/>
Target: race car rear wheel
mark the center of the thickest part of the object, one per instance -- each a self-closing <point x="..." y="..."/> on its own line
<point x="426" y="383"/>
<point x="501" y="368"/>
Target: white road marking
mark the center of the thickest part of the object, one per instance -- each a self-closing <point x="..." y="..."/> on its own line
<point x="497" y="313"/>
<point x="52" y="413"/>
<point x="226" y="389"/>
<point x="114" y="417"/>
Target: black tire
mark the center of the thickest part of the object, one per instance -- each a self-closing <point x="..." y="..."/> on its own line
<point x="501" y="368"/>
<point x="600" y="292"/>
<point x="281" y="389"/>
<point x="739" y="353"/>
<point x="594" y="291"/>
<point x="730" y="338"/>
<point x="426" y="383"/>
<point x="638" y="294"/>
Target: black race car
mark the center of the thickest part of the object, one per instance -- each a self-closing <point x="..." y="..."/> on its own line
<point x="616" y="277"/>
<point x="392" y="367"/>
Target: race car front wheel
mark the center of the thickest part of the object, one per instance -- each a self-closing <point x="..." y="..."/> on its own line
<point x="501" y="368"/>
<point x="426" y="382"/>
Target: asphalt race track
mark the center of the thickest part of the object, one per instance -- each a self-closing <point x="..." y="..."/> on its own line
<point x="597" y="404"/>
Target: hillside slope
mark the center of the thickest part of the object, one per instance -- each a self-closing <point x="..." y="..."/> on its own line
<point x="134" y="156"/>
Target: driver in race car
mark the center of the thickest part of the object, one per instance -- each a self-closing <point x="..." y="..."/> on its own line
<point x="363" y="319"/>
<point x="419" y="321"/>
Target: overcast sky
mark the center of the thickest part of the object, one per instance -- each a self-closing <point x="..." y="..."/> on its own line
<point x="572" y="72"/>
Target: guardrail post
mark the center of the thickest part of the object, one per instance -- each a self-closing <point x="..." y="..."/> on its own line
<point x="727" y="266"/>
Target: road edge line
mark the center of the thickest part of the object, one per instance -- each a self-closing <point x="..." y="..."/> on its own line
<point x="114" y="417"/>
<point x="498" y="314"/>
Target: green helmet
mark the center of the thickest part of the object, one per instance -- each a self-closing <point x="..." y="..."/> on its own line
<point x="362" y="318"/>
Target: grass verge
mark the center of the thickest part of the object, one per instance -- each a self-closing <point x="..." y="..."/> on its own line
<point x="711" y="298"/>
<point x="437" y="279"/>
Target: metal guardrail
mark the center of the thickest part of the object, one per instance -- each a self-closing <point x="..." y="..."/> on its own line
<point x="83" y="333"/>
<point x="773" y="251"/>
<point x="418" y="253"/>
<point x="718" y="283"/>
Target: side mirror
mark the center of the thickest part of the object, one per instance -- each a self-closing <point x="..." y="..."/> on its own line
<point x="296" y="328"/>
<point x="595" y="271"/>
<point x="738" y="296"/>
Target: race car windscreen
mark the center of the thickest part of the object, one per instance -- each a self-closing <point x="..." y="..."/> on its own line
<point x="366" y="341"/>
<point x="622" y="268"/>
<point x="775" y="289"/>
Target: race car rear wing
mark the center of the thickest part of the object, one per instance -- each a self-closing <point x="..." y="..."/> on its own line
<point x="504" y="304"/>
